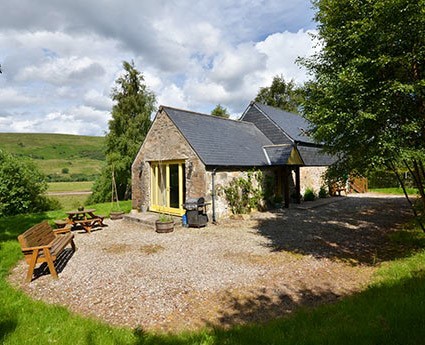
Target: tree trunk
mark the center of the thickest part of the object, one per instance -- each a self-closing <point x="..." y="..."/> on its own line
<point x="420" y="184"/>
<point x="400" y="180"/>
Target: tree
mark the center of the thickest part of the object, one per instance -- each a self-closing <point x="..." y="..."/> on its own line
<point x="220" y="111"/>
<point x="21" y="186"/>
<point x="367" y="101"/>
<point x="281" y="94"/>
<point x="127" y="129"/>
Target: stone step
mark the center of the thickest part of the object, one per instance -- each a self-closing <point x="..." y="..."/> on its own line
<point x="148" y="218"/>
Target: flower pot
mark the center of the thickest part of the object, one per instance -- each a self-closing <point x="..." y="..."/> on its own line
<point x="163" y="227"/>
<point x="116" y="215"/>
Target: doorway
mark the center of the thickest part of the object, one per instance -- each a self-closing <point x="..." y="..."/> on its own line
<point x="168" y="187"/>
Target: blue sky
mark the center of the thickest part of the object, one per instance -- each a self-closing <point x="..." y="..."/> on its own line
<point x="60" y="58"/>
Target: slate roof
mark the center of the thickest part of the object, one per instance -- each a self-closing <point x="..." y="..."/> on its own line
<point x="295" y="126"/>
<point x="313" y="156"/>
<point x="224" y="142"/>
<point x="221" y="142"/>
<point x="278" y="154"/>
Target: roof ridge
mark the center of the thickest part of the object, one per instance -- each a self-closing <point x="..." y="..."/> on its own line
<point x="197" y="113"/>
<point x="279" y="145"/>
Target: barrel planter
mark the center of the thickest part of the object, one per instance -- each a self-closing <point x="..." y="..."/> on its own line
<point x="164" y="227"/>
<point x="116" y="215"/>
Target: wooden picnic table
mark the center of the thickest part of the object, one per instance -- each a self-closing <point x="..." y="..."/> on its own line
<point x="84" y="218"/>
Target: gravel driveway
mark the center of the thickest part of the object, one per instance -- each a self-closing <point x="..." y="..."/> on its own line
<point x="236" y="272"/>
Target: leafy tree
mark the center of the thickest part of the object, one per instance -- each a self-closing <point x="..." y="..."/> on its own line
<point x="127" y="129"/>
<point x="281" y="94"/>
<point x="367" y="101"/>
<point x="220" y="111"/>
<point x="21" y="186"/>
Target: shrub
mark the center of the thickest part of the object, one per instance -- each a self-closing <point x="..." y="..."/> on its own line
<point x="65" y="170"/>
<point x="309" y="195"/>
<point x="21" y="186"/>
<point x="323" y="192"/>
<point x="244" y="194"/>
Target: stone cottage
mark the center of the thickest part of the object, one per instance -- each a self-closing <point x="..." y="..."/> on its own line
<point x="187" y="154"/>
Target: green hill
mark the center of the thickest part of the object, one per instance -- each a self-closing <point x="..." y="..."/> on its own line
<point x="62" y="157"/>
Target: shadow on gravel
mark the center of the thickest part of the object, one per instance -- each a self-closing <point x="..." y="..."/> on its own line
<point x="355" y="231"/>
<point x="261" y="308"/>
<point x="60" y="263"/>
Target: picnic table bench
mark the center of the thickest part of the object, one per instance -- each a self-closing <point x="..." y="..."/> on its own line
<point x="41" y="243"/>
<point x="84" y="218"/>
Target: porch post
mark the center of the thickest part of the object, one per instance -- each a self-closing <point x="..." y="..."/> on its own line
<point x="297" y="184"/>
<point x="286" y="174"/>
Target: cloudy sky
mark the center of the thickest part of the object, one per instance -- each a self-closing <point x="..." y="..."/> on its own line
<point x="60" y="58"/>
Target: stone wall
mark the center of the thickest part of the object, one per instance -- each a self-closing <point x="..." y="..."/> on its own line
<point x="312" y="177"/>
<point x="222" y="179"/>
<point x="164" y="142"/>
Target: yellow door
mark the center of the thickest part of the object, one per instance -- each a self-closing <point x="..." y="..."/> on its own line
<point x="168" y="187"/>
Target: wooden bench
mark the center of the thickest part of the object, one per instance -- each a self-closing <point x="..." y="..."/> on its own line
<point x="337" y="188"/>
<point x="41" y="244"/>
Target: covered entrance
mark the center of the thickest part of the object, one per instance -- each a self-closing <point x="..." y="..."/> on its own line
<point x="168" y="187"/>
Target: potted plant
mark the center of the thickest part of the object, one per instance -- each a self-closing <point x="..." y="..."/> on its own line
<point x="164" y="223"/>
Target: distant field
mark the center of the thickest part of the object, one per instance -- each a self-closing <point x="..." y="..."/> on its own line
<point x="56" y="167"/>
<point x="59" y="156"/>
<point x="70" y="201"/>
<point x="53" y="146"/>
<point x="56" y="187"/>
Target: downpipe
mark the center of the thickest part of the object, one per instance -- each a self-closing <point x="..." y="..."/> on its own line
<point x="214" y="221"/>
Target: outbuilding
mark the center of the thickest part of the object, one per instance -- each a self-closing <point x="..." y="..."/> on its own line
<point x="187" y="154"/>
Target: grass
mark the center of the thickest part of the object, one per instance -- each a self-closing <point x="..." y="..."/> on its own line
<point x="82" y="156"/>
<point x="83" y="186"/>
<point x="52" y="146"/>
<point x="83" y="166"/>
<point x="390" y="311"/>
<point x="395" y="191"/>
<point x="70" y="201"/>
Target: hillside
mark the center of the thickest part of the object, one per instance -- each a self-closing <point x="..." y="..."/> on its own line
<point x="61" y="157"/>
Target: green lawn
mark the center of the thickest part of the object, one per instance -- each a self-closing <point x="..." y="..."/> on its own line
<point x="390" y="311"/>
<point x="395" y="191"/>
<point x="71" y="202"/>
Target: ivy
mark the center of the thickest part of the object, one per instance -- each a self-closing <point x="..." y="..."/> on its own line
<point x="245" y="193"/>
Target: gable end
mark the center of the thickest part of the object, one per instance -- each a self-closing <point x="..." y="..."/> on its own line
<point x="265" y="125"/>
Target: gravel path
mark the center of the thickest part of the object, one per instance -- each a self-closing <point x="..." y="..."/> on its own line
<point x="236" y="272"/>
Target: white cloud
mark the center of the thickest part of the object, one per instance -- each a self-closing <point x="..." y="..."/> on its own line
<point x="60" y="59"/>
<point x="62" y="71"/>
<point x="97" y="100"/>
<point x="234" y="64"/>
<point x="173" y="96"/>
<point x="287" y="47"/>
<point x="10" y="97"/>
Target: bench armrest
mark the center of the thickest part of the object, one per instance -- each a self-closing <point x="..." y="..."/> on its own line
<point x="48" y="246"/>
<point x="65" y="230"/>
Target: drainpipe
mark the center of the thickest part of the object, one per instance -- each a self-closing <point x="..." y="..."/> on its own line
<point x="214" y="221"/>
